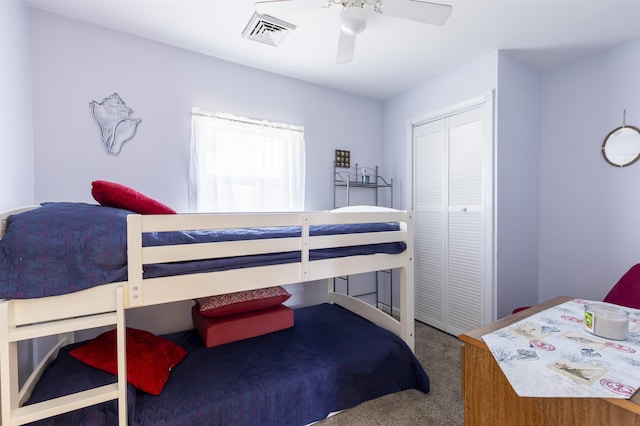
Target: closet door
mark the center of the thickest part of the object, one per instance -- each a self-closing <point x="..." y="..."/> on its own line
<point x="430" y="175"/>
<point x="465" y="300"/>
<point x="452" y="185"/>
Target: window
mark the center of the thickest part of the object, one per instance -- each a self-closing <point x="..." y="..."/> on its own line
<point x="244" y="165"/>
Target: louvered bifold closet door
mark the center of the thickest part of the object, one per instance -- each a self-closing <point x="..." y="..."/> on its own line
<point x="452" y="184"/>
<point x="464" y="297"/>
<point x="430" y="146"/>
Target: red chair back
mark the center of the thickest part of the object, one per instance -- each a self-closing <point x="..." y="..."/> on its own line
<point x="626" y="292"/>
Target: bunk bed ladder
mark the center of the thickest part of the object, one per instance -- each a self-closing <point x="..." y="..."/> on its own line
<point x="122" y="357"/>
<point x="11" y="410"/>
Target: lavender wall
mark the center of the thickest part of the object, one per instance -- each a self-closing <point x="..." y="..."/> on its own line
<point x="589" y="233"/>
<point x="16" y="143"/>
<point x="517" y="168"/>
<point x="75" y="63"/>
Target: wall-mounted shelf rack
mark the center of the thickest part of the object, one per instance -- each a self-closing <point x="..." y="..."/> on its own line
<point x="363" y="177"/>
<point x="359" y="177"/>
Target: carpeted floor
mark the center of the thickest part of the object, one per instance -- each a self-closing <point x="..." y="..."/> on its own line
<point x="439" y="354"/>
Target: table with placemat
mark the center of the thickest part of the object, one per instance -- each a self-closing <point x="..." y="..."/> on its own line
<point x="490" y="398"/>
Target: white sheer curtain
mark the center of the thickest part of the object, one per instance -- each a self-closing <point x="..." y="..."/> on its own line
<point x="244" y="165"/>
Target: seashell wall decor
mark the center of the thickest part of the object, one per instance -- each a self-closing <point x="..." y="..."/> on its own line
<point x="112" y="115"/>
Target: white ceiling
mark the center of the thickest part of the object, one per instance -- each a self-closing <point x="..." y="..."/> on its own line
<point x="392" y="55"/>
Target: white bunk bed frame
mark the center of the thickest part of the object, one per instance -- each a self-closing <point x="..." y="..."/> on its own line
<point x="104" y="305"/>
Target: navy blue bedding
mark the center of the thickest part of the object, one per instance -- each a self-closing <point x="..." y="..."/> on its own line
<point x="331" y="359"/>
<point x="66" y="247"/>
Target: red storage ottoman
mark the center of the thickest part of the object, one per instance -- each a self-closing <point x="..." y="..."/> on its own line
<point x="216" y="331"/>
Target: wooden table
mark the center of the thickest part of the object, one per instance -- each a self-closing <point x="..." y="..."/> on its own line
<point x="489" y="399"/>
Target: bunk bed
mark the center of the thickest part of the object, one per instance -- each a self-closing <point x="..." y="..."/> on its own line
<point x="306" y="246"/>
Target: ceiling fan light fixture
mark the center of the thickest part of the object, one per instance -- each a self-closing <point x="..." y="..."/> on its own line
<point x="353" y="20"/>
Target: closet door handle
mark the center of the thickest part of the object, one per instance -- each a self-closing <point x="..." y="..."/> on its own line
<point x="464" y="209"/>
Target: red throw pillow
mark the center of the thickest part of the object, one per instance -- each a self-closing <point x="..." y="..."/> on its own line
<point x="113" y="194"/>
<point x="149" y="358"/>
<point x="242" y="301"/>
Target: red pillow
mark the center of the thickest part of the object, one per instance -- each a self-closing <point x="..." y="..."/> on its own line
<point x="113" y="194"/>
<point x="242" y="301"/>
<point x="149" y="358"/>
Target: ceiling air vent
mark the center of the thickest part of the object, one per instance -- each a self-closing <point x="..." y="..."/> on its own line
<point x="267" y="29"/>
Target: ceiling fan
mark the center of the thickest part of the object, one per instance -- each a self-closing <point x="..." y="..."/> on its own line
<point x="353" y="17"/>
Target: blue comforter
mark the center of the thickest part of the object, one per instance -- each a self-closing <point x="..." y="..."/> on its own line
<point x="66" y="247"/>
<point x="332" y="359"/>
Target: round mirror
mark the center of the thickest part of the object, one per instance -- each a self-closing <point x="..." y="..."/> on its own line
<point x="621" y="147"/>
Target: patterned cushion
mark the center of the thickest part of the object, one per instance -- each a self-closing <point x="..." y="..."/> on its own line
<point x="149" y="358"/>
<point x="242" y="301"/>
<point x="112" y="194"/>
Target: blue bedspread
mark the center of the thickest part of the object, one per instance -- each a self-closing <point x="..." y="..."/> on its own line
<point x="330" y="360"/>
<point x="66" y="247"/>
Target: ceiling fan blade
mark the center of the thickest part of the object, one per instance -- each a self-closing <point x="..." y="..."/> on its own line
<point x="416" y="10"/>
<point x="346" y="47"/>
<point x="275" y="6"/>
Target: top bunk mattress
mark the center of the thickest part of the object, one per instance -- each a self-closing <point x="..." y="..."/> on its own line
<point x="65" y="247"/>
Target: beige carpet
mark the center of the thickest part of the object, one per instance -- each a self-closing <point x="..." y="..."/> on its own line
<point x="439" y="354"/>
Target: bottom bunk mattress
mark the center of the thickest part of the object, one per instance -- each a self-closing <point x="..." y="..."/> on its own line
<point x="330" y="360"/>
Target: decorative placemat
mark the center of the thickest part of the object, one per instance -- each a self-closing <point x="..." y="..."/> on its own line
<point x="551" y="354"/>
